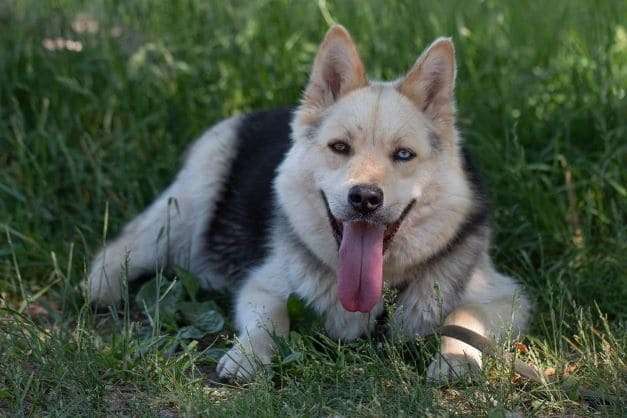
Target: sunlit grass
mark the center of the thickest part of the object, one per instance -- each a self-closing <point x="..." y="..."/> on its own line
<point x="98" y="101"/>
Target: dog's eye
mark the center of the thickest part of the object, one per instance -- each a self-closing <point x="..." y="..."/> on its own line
<point x="403" y="154"/>
<point x="340" y="147"/>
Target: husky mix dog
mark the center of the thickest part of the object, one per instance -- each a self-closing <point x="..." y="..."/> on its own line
<point x="364" y="185"/>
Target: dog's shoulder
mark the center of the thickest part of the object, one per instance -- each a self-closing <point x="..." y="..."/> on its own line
<point x="237" y="238"/>
<point x="265" y="130"/>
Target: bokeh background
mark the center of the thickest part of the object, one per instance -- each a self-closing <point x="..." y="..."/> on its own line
<point x="99" y="99"/>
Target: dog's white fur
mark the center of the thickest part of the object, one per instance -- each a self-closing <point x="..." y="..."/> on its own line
<point x="339" y="103"/>
<point x="172" y="226"/>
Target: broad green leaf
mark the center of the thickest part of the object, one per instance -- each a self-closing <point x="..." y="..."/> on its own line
<point x="190" y="332"/>
<point x="301" y="315"/>
<point x="190" y="282"/>
<point x="168" y="296"/>
<point x="202" y="315"/>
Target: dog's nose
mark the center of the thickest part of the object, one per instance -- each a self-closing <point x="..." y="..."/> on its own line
<point x="365" y="198"/>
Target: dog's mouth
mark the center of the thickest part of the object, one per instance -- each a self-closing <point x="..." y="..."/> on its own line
<point x="361" y="246"/>
<point x="391" y="229"/>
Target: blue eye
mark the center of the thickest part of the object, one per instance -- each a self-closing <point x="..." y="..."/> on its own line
<point x="403" y="154"/>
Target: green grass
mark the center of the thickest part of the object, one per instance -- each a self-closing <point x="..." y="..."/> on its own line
<point x="99" y="132"/>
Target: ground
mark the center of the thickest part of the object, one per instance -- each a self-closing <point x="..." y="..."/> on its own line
<point x="99" y="99"/>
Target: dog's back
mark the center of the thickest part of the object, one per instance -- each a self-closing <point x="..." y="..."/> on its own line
<point x="237" y="235"/>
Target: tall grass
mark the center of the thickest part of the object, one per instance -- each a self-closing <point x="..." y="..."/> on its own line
<point x="541" y="98"/>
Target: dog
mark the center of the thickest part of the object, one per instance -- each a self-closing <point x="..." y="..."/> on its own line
<point x="365" y="185"/>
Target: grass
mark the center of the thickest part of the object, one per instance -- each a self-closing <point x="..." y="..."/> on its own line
<point x="94" y="134"/>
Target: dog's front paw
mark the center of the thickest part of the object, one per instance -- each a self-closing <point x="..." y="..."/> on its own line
<point x="446" y="367"/>
<point x="240" y="365"/>
<point x="103" y="283"/>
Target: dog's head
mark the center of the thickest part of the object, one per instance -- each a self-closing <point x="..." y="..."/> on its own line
<point x="372" y="159"/>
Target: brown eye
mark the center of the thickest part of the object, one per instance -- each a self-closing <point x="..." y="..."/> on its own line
<point x="340" y="147"/>
<point x="403" y="154"/>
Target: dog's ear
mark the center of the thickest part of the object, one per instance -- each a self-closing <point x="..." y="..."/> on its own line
<point x="431" y="82"/>
<point x="337" y="70"/>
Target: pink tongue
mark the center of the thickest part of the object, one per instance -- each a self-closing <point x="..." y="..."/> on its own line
<point x="361" y="266"/>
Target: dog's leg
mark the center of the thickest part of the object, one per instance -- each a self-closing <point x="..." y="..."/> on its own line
<point x="139" y="249"/>
<point x="169" y="231"/>
<point x="261" y="314"/>
<point x="493" y="316"/>
<point x="456" y="358"/>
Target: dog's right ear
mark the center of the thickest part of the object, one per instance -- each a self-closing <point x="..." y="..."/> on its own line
<point x="337" y="70"/>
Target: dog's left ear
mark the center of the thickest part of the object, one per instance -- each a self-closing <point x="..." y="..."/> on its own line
<point x="337" y="70"/>
<point x="431" y="82"/>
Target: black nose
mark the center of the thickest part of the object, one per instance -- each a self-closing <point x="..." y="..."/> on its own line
<point x="365" y="198"/>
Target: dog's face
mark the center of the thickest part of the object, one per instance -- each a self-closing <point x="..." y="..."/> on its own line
<point x="373" y="159"/>
<point x="376" y="153"/>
